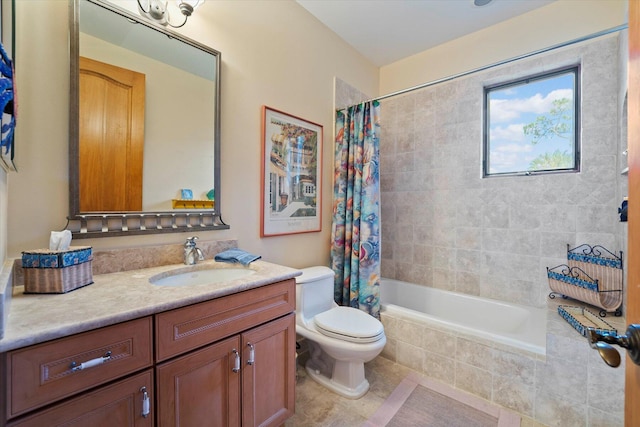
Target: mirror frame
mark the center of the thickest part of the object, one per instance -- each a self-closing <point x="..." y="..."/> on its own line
<point x="109" y="224"/>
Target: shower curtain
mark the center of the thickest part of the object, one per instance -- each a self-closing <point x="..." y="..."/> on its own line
<point x="355" y="232"/>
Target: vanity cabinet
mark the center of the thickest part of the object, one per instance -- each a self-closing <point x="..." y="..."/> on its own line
<point x="247" y="377"/>
<point x="244" y="380"/>
<point x="229" y="361"/>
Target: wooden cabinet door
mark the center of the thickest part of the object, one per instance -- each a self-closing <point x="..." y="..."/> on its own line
<point x="268" y="373"/>
<point x="200" y="388"/>
<point x="119" y="404"/>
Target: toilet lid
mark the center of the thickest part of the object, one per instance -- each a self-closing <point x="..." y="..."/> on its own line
<point x="349" y="324"/>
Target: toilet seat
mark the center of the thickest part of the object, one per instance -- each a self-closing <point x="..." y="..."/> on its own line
<point x="349" y="324"/>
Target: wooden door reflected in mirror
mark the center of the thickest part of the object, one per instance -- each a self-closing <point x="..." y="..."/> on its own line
<point x="111" y="137"/>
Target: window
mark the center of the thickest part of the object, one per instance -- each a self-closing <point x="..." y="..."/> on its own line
<point x="532" y="125"/>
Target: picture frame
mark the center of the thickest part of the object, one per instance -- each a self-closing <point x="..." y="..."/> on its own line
<point x="9" y="113"/>
<point x="291" y="174"/>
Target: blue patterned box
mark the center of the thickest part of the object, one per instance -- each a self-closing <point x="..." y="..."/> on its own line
<point x="57" y="272"/>
<point x="46" y="258"/>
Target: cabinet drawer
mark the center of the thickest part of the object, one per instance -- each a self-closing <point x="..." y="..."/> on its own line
<point x="44" y="373"/>
<point x="118" y="404"/>
<point x="191" y="327"/>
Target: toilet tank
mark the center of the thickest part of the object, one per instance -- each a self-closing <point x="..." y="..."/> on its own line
<point x="314" y="291"/>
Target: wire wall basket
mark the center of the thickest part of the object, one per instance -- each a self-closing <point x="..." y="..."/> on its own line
<point x="581" y="319"/>
<point x="593" y="274"/>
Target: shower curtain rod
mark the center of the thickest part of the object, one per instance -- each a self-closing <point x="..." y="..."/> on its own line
<point x="495" y="64"/>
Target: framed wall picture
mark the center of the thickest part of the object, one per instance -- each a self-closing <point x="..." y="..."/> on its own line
<point x="291" y="174"/>
<point x="8" y="103"/>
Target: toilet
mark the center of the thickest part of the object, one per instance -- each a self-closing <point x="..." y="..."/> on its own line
<point x="341" y="339"/>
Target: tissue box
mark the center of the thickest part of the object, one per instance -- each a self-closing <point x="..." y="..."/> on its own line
<point x="58" y="272"/>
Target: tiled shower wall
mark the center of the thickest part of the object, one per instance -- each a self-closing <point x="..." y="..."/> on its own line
<point x="443" y="225"/>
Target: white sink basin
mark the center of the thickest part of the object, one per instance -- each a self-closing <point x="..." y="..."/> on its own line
<point x="200" y="277"/>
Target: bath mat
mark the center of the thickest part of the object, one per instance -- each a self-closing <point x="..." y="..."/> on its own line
<point x="419" y="401"/>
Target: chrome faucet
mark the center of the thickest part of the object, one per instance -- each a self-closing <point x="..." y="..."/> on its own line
<point x="192" y="253"/>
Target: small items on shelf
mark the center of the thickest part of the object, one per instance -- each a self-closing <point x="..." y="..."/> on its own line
<point x="593" y="274"/>
<point x="192" y="204"/>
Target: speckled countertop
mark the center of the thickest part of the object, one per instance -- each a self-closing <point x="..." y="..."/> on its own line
<point x="118" y="297"/>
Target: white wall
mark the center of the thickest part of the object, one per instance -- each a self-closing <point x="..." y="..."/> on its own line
<point x="273" y="53"/>
<point x="37" y="194"/>
<point x="541" y="28"/>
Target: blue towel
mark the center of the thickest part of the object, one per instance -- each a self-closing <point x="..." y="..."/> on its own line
<point x="236" y="255"/>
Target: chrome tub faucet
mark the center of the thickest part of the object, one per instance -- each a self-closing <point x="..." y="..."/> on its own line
<point x="192" y="253"/>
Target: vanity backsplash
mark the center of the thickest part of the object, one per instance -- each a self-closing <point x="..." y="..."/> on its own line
<point x="115" y="260"/>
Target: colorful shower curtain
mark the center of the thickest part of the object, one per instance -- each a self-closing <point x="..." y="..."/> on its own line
<point x="355" y="233"/>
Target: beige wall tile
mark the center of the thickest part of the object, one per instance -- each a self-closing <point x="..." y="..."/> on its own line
<point x="554" y="412"/>
<point x="474" y="380"/>
<point x="439" y="368"/>
<point x="474" y="354"/>
<point x="513" y="394"/>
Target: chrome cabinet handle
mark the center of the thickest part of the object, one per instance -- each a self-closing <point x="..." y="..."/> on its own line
<point x="236" y="365"/>
<point x="146" y="404"/>
<point x="90" y="363"/>
<point x="252" y="354"/>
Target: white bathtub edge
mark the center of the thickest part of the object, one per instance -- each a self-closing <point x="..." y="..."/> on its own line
<point x="538" y="349"/>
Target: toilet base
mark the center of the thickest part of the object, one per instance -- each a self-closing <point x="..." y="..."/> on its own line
<point x="347" y="378"/>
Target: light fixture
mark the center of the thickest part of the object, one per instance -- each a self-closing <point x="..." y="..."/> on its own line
<point x="157" y="10"/>
<point x="481" y="3"/>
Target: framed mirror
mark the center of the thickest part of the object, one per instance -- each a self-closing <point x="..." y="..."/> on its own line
<point x="144" y="126"/>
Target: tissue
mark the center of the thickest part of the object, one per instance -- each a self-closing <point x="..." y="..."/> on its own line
<point x="60" y="240"/>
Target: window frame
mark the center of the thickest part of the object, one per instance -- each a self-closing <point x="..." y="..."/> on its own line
<point x="576" y="70"/>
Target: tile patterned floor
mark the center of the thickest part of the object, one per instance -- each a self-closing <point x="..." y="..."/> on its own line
<point x="318" y="407"/>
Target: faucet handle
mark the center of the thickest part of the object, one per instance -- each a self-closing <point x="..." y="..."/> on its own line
<point x="191" y="241"/>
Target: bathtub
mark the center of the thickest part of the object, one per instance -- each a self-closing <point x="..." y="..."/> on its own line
<point x="514" y="325"/>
